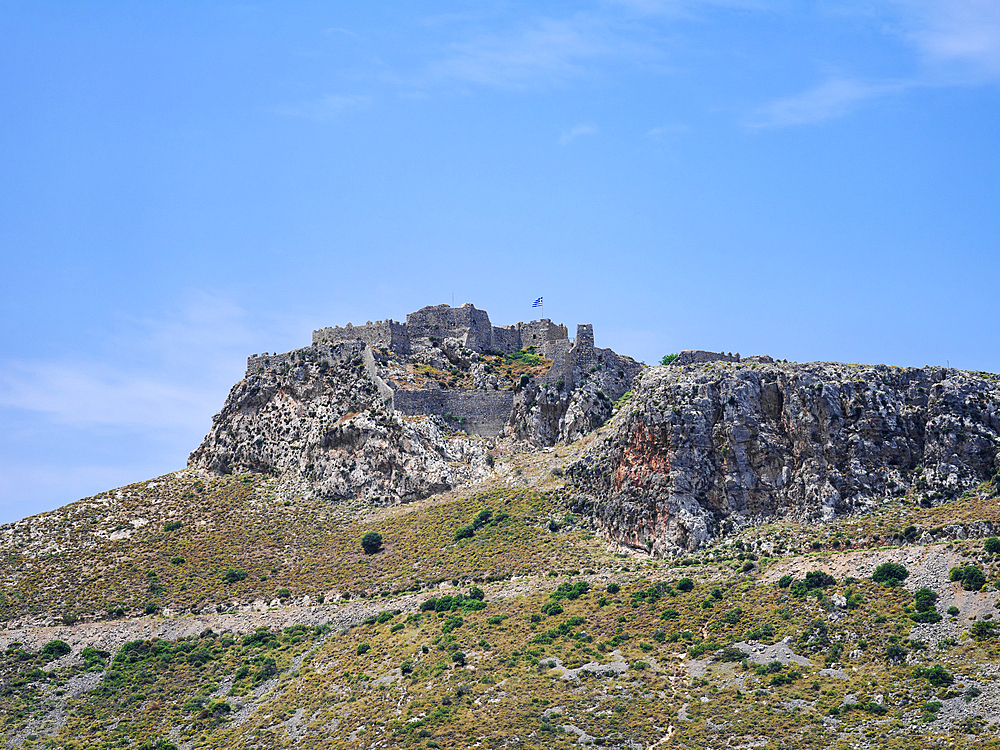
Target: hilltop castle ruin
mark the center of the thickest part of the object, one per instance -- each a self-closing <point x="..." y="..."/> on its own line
<point x="484" y="410"/>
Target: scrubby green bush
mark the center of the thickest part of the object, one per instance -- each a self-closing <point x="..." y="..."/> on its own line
<point x="972" y="578"/>
<point x="570" y="590"/>
<point x="234" y="575"/>
<point x="984" y="630"/>
<point x="991" y="545"/>
<point x="363" y="648"/>
<point x="937" y="675"/>
<point x="685" y="584"/>
<point x="371" y="542"/>
<point x="613" y="588"/>
<point x="890" y="574"/>
<point x="895" y="652"/>
<point x="55" y="649"/>
<point x="761" y="633"/>
<point x="924" y="600"/>
<point x="173" y="526"/>
<point x="731" y="653"/>
<point x="785" y="581"/>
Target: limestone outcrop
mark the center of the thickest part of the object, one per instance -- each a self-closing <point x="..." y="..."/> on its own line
<point x="706" y="448"/>
<point x="321" y="416"/>
<point x="391" y="412"/>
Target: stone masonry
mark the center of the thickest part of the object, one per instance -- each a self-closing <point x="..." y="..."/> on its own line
<point x="479" y="412"/>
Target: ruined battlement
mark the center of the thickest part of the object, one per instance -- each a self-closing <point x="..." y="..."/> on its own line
<point x="480" y="412"/>
<point x="382" y="334"/>
<point x="467" y="324"/>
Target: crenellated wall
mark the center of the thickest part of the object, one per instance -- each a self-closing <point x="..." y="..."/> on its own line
<point x="696" y="357"/>
<point x="479" y="412"/>
<point x="382" y="334"/>
<point x="466" y="323"/>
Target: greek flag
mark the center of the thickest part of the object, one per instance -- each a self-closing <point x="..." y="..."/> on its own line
<point x="537" y="302"/>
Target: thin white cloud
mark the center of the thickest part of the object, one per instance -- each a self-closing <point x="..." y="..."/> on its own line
<point x="156" y="374"/>
<point x="326" y="107"/>
<point x="577" y="131"/>
<point x="687" y="8"/>
<point x="543" y="52"/>
<point x="962" y="32"/>
<point x="666" y="132"/>
<point x="834" y="98"/>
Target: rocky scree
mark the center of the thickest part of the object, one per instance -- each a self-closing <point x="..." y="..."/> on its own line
<point x="704" y="449"/>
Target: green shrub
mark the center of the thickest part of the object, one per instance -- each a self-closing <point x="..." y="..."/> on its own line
<point x="953" y="610"/>
<point x="984" y="630"/>
<point x="731" y="653"/>
<point x="666" y="359"/>
<point x="363" y="648"/>
<point x="176" y="560"/>
<point x="817" y="579"/>
<point x="552" y="608"/>
<point x="465" y="532"/>
<point x="669" y="614"/>
<point x="613" y="588"/>
<point x="895" y="652"/>
<point x="685" y="584"/>
<point x="284" y="593"/>
<point x="406" y="667"/>
<point x="570" y="590"/>
<point x="371" y="542"/>
<point x="451" y="623"/>
<point x="972" y="578"/>
<point x="234" y="575"/>
<point x="698" y="649"/>
<point x="785" y="581"/>
<point x="151" y="608"/>
<point x="173" y="526"/>
<point x="991" y="545"/>
<point x="268" y="668"/>
<point x="890" y="574"/>
<point x="761" y="633"/>
<point x="55" y="649"/>
<point x="458" y="657"/>
<point x="937" y="675"/>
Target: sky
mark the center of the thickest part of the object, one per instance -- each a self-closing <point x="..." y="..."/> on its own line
<point x="184" y="184"/>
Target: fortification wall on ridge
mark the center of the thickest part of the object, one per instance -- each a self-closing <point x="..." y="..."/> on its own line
<point x="482" y="413"/>
<point x="331" y="353"/>
<point x="479" y="412"/>
<point x="466" y="323"/>
<point x="697" y="357"/>
<point x="540" y="332"/>
<point x="507" y="339"/>
<point x="382" y="334"/>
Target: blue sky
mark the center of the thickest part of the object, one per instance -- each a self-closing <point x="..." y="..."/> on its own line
<point x="184" y="184"/>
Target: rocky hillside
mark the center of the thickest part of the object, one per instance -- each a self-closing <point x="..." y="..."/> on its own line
<point x="704" y="449"/>
<point x="324" y="414"/>
<point x="319" y="416"/>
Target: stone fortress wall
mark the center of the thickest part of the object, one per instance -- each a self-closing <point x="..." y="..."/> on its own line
<point x="382" y="334"/>
<point x="479" y="412"/>
<point x="697" y="357"/>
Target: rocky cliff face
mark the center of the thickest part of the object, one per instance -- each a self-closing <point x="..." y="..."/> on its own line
<point x="705" y="448"/>
<point x="321" y="416"/>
